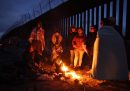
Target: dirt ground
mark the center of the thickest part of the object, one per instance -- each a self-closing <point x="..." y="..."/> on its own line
<point x="58" y="85"/>
<point x="45" y="82"/>
<point x="49" y="82"/>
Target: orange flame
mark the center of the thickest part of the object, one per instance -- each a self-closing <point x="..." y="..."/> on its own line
<point x="73" y="74"/>
<point x="64" y="68"/>
<point x="69" y="73"/>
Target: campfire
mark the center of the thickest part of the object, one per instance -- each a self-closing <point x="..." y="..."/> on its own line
<point x="69" y="72"/>
<point x="64" y="73"/>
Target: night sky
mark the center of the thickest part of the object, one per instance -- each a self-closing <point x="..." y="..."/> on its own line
<point x="11" y="10"/>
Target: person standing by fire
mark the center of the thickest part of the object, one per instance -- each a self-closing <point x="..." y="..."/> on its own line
<point x="37" y="42"/>
<point x="90" y="43"/>
<point x="72" y="33"/>
<point x="57" y="49"/>
<point x="78" y="43"/>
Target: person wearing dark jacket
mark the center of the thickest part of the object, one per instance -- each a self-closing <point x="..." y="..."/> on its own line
<point x="72" y="33"/>
<point x="90" y="43"/>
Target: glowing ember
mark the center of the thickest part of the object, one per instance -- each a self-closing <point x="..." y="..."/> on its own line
<point x="60" y="61"/>
<point x="64" y="68"/>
